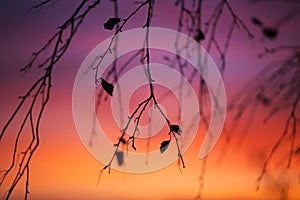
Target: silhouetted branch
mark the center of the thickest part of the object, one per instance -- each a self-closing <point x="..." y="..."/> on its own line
<point x="40" y="5"/>
<point x="212" y="25"/>
<point x="201" y="179"/>
<point x="138" y="112"/>
<point x="277" y="49"/>
<point x="113" y="71"/>
<point x="291" y="120"/>
<point x="98" y="60"/>
<point x="39" y="92"/>
<point x="276" y="87"/>
<point x="190" y="22"/>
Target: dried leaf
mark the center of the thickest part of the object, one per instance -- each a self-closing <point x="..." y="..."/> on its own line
<point x="270" y="33"/>
<point x="175" y="128"/>
<point x="108" y="87"/>
<point x="122" y="140"/>
<point x="164" y="145"/>
<point x="111" y="22"/>
<point x="256" y="21"/>
<point x="200" y="36"/>
<point x="120" y="157"/>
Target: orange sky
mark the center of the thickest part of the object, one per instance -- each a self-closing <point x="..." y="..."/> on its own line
<point x="63" y="169"/>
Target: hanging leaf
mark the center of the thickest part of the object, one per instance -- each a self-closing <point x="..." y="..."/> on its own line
<point x="108" y="87"/>
<point x="120" y="157"/>
<point x="175" y="128"/>
<point x="256" y="21"/>
<point x="111" y="22"/>
<point x="270" y="32"/>
<point x="122" y="140"/>
<point x="164" y="145"/>
<point x="200" y="36"/>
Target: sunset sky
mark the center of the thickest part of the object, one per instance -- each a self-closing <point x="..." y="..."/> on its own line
<point x="62" y="168"/>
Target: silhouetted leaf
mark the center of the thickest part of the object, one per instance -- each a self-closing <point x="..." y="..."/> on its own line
<point x="122" y="140"/>
<point x="111" y="22"/>
<point x="200" y="36"/>
<point x="256" y="21"/>
<point x="270" y="33"/>
<point x="120" y="157"/>
<point x="164" y="145"/>
<point x="108" y="87"/>
<point x="202" y="82"/>
<point x="175" y="128"/>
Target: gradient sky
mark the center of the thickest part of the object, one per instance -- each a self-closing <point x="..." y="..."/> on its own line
<point x="63" y="169"/>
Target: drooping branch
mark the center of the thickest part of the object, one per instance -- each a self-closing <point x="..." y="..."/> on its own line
<point x="291" y="121"/>
<point x="140" y="109"/>
<point x="37" y="96"/>
<point x="98" y="60"/>
<point x="276" y="87"/>
<point x="112" y="73"/>
<point x="40" y="5"/>
<point x="190" y="21"/>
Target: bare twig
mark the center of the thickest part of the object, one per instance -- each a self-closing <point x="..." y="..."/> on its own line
<point x="276" y="87"/>
<point x="39" y="92"/>
<point x="190" y="21"/>
<point x="140" y="109"/>
<point x="291" y="120"/>
<point x="40" y="5"/>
